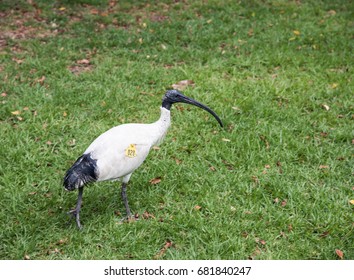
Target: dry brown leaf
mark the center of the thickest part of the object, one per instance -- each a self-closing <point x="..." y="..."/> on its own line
<point x="155" y="181"/>
<point x="283" y="203"/>
<point x="167" y="245"/>
<point x="4" y="94"/>
<point x="212" y="168"/>
<point x="339" y="254"/>
<point x="351" y="202"/>
<point x="290" y="227"/>
<point x="17" y="60"/>
<point x="324" y="166"/>
<point x="147" y="215"/>
<point x="94" y="12"/>
<point x="182" y="85"/>
<point x="197" y="207"/>
<point x="40" y="80"/>
<point x="83" y="61"/>
<point x="26" y="257"/>
<point x="296" y="32"/>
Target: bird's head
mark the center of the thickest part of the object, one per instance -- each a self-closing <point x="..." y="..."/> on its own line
<point x="174" y="96"/>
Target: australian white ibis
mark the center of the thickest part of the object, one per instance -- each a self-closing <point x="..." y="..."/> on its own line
<point x="116" y="153"/>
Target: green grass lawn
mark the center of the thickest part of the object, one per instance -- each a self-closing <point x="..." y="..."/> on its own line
<point x="275" y="183"/>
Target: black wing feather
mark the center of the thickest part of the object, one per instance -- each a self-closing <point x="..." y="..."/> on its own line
<point x="83" y="171"/>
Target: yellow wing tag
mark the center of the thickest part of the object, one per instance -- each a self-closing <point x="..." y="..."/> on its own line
<point x="131" y="151"/>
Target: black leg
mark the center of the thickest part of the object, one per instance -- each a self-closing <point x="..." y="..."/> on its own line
<point x="76" y="212"/>
<point x="125" y="200"/>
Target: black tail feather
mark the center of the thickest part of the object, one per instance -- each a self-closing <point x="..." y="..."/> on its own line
<point x="83" y="171"/>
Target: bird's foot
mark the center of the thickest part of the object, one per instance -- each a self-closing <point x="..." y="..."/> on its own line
<point x="74" y="213"/>
<point x="130" y="218"/>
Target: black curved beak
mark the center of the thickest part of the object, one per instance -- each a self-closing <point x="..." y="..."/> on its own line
<point x="185" y="99"/>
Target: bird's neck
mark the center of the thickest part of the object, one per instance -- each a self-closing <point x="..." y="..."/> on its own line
<point x="163" y="124"/>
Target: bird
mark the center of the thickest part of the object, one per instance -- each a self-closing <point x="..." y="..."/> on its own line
<point x="118" y="152"/>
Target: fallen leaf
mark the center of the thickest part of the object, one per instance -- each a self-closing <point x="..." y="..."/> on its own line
<point x="155" y="181"/>
<point x="290" y="227"/>
<point x="324" y="234"/>
<point x="267" y="166"/>
<point x="262" y="242"/>
<point x="83" y="61"/>
<point x="296" y="32"/>
<point x="331" y="12"/>
<point x="326" y="107"/>
<point x="26" y="257"/>
<point x="16" y="113"/>
<point x="197" y="207"/>
<point x="339" y="254"/>
<point x="156" y="148"/>
<point x="324" y="166"/>
<point x="181" y="85"/>
<point x="334" y="85"/>
<point x="212" y="168"/>
<point x="65" y="114"/>
<point x="255" y="254"/>
<point x="17" y="60"/>
<point x="147" y="215"/>
<point x="283" y="203"/>
<point x="62" y="9"/>
<point x="226" y="140"/>
<point x="41" y="80"/>
<point x="62" y="241"/>
<point x="167" y="245"/>
<point x="351" y="202"/>
<point x="94" y="12"/>
<point x="276" y="200"/>
<point x="3" y="94"/>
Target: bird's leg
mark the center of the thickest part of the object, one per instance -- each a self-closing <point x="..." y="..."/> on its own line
<point x="76" y="212"/>
<point x="125" y="200"/>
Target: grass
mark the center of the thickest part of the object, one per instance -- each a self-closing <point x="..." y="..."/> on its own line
<point x="275" y="183"/>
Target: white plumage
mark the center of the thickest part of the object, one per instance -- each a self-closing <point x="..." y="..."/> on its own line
<point x="116" y="153"/>
<point x="109" y="149"/>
